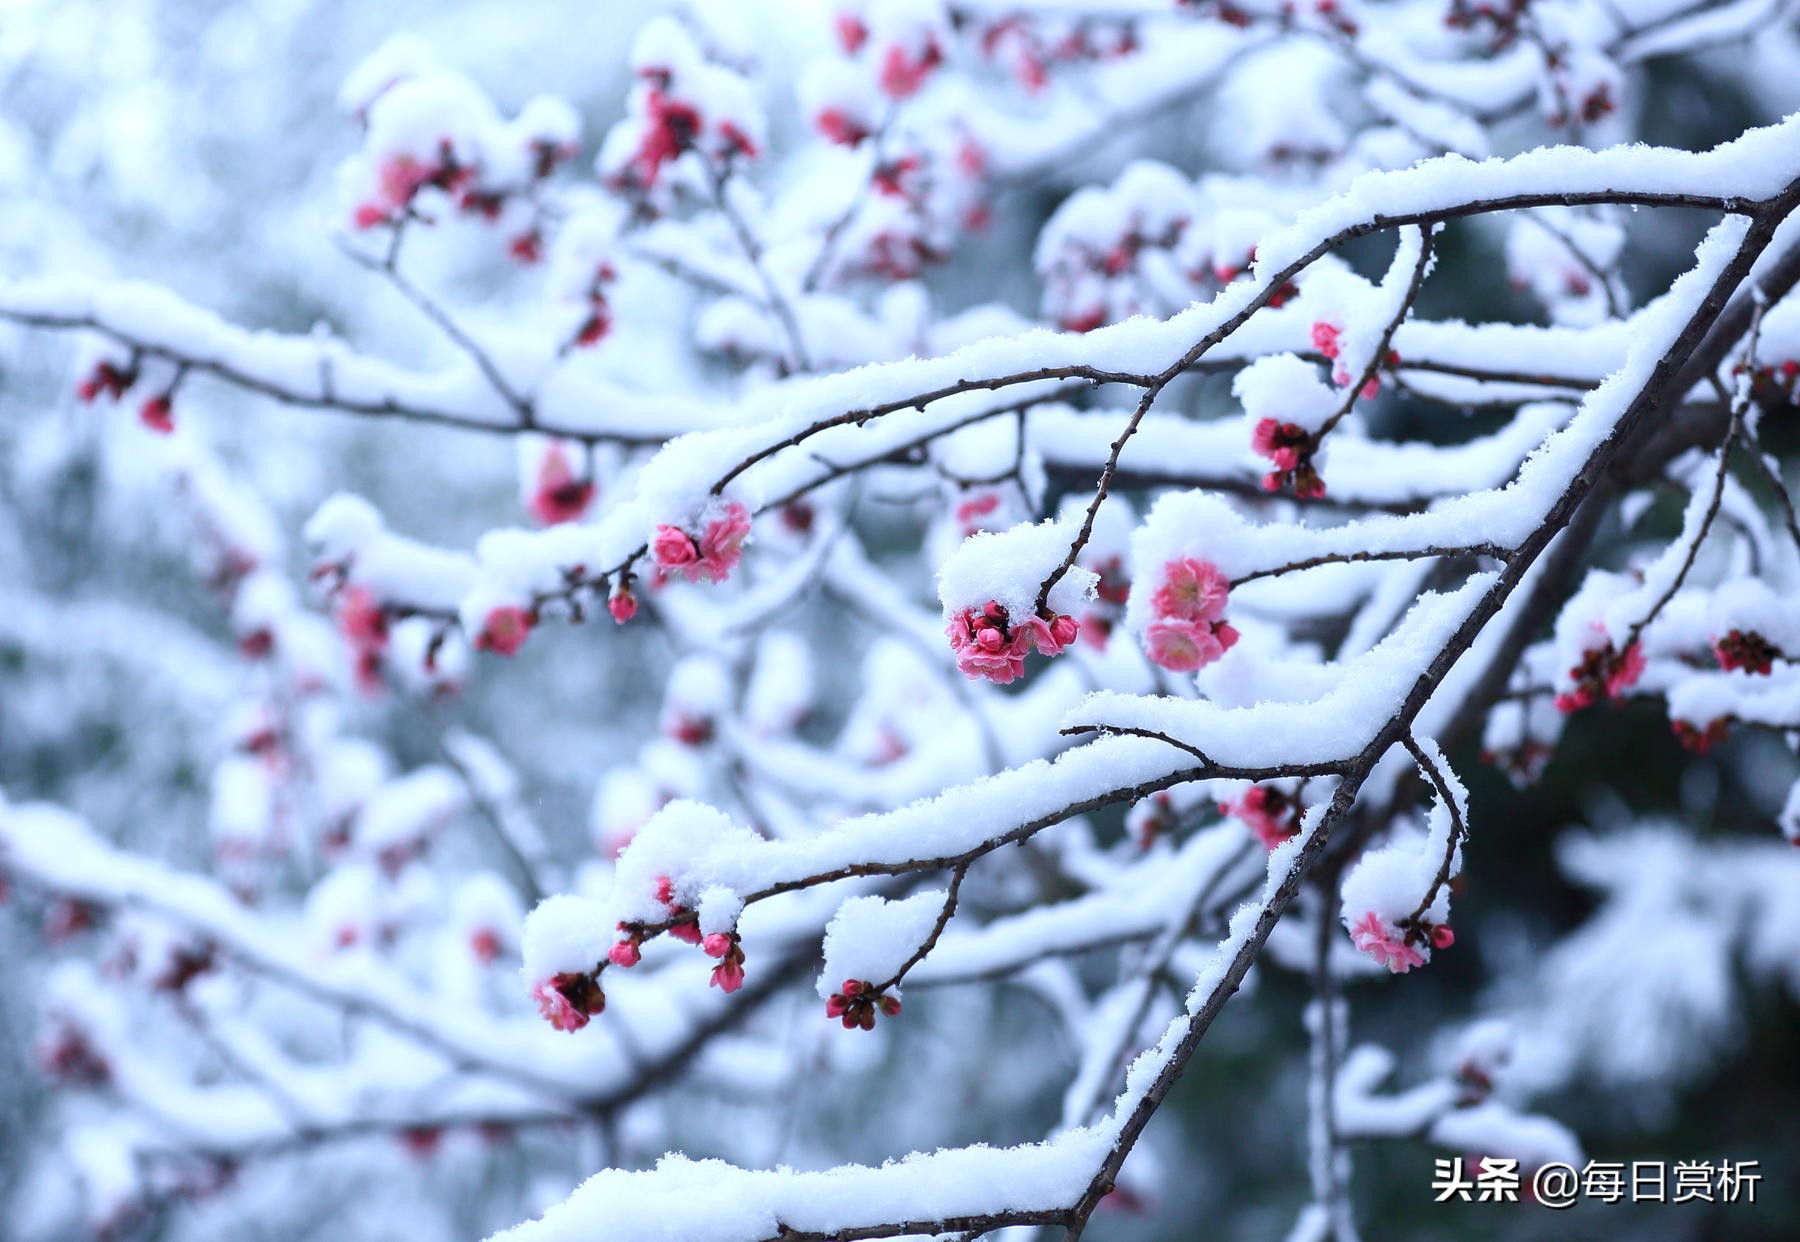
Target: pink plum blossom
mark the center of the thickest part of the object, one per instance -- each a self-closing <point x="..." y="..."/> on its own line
<point x="505" y="630"/>
<point x="1603" y="669"/>
<point x="851" y="32"/>
<point x="710" y="558"/>
<point x="1280" y="442"/>
<point x="1747" y="650"/>
<point x="360" y="619"/>
<point x="670" y="130"/>
<point x="837" y="125"/>
<point x="1187" y="646"/>
<point x="568" y="1000"/>
<point x="904" y="70"/>
<point x="1191" y="590"/>
<point x="1267" y="812"/>
<point x="560" y="495"/>
<point x="1385" y="945"/>
<point x="673" y="548"/>
<point x="1325" y="338"/>
<point x="971" y="510"/>
<point x="984" y="647"/>
<point x="987" y="645"/>
<point x="722" y="543"/>
<point x="1625" y="671"/>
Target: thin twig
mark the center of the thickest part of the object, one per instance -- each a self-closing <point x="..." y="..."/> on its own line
<point x="1494" y="550"/>
<point x="1454" y="840"/>
<point x="1601" y="278"/>
<point x="816" y="270"/>
<point x="1379" y="356"/>
<point x="447" y="324"/>
<point x="1739" y="404"/>
<point x="937" y="930"/>
<point x="719" y="177"/>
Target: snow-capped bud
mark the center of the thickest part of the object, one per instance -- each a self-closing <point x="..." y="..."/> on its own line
<point x="1603" y="670"/>
<point x="857" y="1004"/>
<point x="622" y="605"/>
<point x="1700" y="738"/>
<point x="1746" y="650"/>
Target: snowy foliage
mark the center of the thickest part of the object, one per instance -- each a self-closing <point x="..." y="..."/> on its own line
<point x="808" y="583"/>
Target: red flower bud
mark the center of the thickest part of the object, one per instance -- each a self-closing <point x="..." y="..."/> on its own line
<point x="158" y="414"/>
